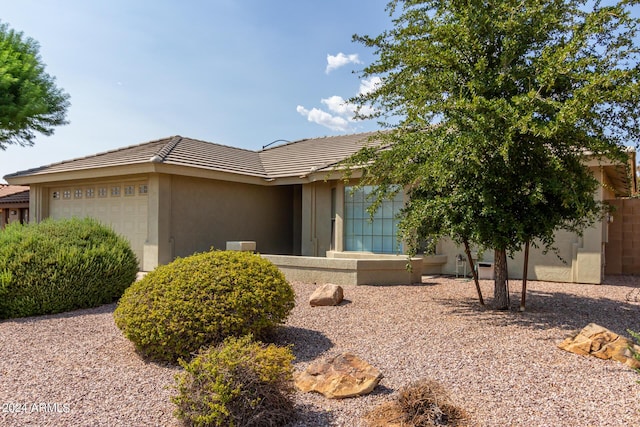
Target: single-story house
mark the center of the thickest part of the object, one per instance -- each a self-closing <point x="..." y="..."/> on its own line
<point x="14" y="204"/>
<point x="175" y="196"/>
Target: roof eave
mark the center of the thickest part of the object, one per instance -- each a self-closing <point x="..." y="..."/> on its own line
<point x="79" y="174"/>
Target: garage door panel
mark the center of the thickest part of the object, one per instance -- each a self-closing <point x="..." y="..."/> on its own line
<point x="126" y="215"/>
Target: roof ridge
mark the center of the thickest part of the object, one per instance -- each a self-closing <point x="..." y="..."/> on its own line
<point x="222" y="145"/>
<point x="162" y="154"/>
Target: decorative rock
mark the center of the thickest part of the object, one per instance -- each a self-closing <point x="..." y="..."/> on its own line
<point x="600" y="342"/>
<point x="327" y="294"/>
<point x="339" y="377"/>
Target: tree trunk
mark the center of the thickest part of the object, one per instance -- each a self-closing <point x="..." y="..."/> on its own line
<point x="474" y="272"/>
<point x="501" y="289"/>
<point x="525" y="272"/>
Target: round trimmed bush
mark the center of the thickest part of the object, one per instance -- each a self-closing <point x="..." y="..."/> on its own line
<point x="202" y="299"/>
<point x="62" y="265"/>
<point x="238" y="383"/>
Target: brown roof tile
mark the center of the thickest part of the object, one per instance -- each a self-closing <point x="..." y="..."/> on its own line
<point x="14" y="193"/>
<point x="288" y="160"/>
<point x="309" y="155"/>
<point x="140" y="153"/>
<point x="207" y="155"/>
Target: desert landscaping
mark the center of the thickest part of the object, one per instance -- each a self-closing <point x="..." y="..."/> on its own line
<point x="502" y="368"/>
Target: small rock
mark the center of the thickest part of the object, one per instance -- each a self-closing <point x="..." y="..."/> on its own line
<point x="339" y="377"/>
<point x="327" y="294"/>
<point x="600" y="342"/>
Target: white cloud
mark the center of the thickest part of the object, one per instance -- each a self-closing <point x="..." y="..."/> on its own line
<point x="338" y="105"/>
<point x="323" y="118"/>
<point x="368" y="86"/>
<point x="340" y="60"/>
<point x="340" y="113"/>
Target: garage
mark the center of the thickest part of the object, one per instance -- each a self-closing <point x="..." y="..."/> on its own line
<point x="121" y="205"/>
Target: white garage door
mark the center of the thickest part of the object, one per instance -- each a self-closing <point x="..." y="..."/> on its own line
<point x="123" y="206"/>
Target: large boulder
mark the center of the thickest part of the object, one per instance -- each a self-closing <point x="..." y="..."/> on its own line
<point x="339" y="377"/>
<point x="595" y="340"/>
<point x="327" y="294"/>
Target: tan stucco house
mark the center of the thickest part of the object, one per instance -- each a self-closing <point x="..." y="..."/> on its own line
<point x="14" y="204"/>
<point x="176" y="196"/>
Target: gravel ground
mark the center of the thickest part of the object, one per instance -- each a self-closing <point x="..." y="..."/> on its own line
<point x="503" y="368"/>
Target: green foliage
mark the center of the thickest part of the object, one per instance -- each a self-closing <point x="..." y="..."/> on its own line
<point x="201" y="300"/>
<point x="29" y="99"/>
<point x="492" y="108"/>
<point x="238" y="383"/>
<point x="57" y="266"/>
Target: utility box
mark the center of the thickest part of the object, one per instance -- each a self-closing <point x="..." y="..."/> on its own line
<point x="241" y="246"/>
<point x="485" y="270"/>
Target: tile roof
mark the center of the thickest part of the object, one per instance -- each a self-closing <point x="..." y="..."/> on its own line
<point x="14" y="193"/>
<point x="288" y="160"/>
<point x="309" y="155"/>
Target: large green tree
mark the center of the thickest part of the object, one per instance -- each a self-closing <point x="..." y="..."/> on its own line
<point x="491" y="107"/>
<point x="30" y="101"/>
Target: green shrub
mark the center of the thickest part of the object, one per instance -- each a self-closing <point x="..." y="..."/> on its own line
<point x="238" y="383"/>
<point x="202" y="299"/>
<point x="55" y="266"/>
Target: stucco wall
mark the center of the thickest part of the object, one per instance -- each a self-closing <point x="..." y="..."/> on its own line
<point x="578" y="259"/>
<point x="208" y="213"/>
<point x="623" y="248"/>
<point x="541" y="267"/>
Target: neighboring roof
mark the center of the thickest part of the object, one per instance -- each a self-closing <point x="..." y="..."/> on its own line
<point x="14" y="194"/>
<point x="289" y="160"/>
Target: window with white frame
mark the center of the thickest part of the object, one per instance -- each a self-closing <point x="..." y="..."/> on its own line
<point x="364" y="234"/>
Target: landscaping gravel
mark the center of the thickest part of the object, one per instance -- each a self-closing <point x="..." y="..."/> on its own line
<point x="503" y="368"/>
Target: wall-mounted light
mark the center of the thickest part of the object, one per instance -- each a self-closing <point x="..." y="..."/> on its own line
<point x="13" y="212"/>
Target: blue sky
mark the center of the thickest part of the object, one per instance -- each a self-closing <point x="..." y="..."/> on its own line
<point x="237" y="72"/>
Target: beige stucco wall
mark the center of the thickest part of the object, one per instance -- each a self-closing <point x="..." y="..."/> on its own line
<point x="188" y="214"/>
<point x="38" y="202"/>
<point x="541" y="267"/>
<point x="579" y="259"/>
<point x="158" y="248"/>
<point x="391" y="270"/>
<point x="208" y="213"/>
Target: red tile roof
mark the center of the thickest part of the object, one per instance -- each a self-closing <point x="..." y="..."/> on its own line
<point x="14" y="194"/>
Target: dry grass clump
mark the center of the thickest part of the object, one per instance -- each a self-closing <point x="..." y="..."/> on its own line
<point x="424" y="403"/>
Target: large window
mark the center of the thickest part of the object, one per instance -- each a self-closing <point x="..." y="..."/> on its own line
<point x="361" y="233"/>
